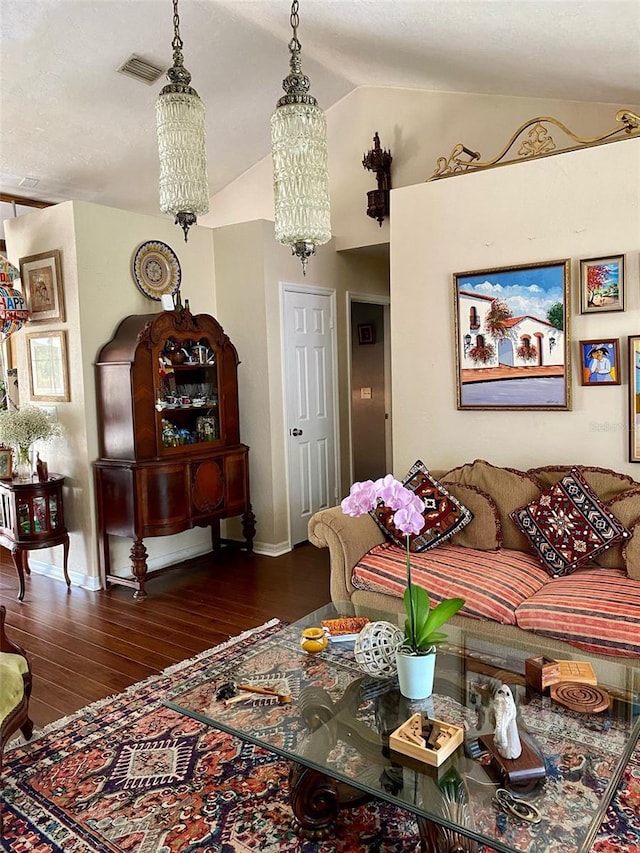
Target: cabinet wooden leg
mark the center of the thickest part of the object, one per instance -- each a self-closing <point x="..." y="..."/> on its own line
<point x="249" y="528"/>
<point x="16" y="556"/>
<point x="65" y="562"/>
<point x="139" y="568"/>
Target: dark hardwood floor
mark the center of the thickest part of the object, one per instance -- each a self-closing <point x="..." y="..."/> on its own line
<point x="85" y="646"/>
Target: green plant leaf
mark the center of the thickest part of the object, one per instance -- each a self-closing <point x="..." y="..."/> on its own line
<point x="442" y="613"/>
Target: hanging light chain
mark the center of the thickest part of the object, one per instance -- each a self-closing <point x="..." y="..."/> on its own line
<point x="177" y="41"/>
<point x="294" y="20"/>
<point x="178" y="76"/>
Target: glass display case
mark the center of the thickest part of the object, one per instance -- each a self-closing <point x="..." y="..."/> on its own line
<point x="170" y="450"/>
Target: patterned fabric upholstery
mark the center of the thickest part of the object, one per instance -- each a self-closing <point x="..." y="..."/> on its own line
<point x="443" y="514"/>
<point x="568" y="525"/>
<point x="595" y="609"/>
<point x="493" y="585"/>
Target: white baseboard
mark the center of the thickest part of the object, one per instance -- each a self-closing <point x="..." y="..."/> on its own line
<point x="92" y="582"/>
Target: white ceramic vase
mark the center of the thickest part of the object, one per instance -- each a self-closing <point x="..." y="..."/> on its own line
<point x="415" y="673"/>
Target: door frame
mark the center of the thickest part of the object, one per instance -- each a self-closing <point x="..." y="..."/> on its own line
<point x="385" y="301"/>
<point x="315" y="290"/>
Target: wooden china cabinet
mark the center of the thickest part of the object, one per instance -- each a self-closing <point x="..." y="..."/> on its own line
<point x="168" y="420"/>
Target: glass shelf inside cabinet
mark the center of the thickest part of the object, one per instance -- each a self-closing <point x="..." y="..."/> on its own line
<point x="187" y="393"/>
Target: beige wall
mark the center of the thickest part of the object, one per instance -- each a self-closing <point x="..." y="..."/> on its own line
<point x="97" y="244"/>
<point x="454" y="224"/>
<point x="575" y="205"/>
<point x="250" y="270"/>
<point x="418" y="127"/>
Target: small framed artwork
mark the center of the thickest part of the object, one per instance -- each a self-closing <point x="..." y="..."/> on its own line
<point x="366" y="333"/>
<point x="600" y="362"/>
<point x="511" y="337"/>
<point x="6" y="463"/>
<point x="48" y="369"/>
<point x="634" y="398"/>
<point x="41" y="277"/>
<point x="602" y="284"/>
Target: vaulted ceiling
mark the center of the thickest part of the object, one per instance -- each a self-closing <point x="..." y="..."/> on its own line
<point x="69" y="121"/>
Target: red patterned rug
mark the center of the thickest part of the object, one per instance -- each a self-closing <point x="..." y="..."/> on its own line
<point x="128" y="775"/>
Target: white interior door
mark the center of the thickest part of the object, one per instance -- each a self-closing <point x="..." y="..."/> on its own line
<point x="309" y="347"/>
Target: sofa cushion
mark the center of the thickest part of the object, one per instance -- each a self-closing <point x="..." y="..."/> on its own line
<point x="485" y="531"/>
<point x="508" y="487"/>
<point x="443" y="514"/>
<point x="568" y="525"/>
<point x="595" y="609"/>
<point x="626" y="508"/>
<point x="492" y="584"/>
<point x="631" y="552"/>
<point x="605" y="483"/>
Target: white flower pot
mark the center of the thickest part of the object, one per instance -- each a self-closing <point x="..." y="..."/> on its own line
<point x="415" y="673"/>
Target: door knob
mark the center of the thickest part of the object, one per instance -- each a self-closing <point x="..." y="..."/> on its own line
<point x="296" y="432"/>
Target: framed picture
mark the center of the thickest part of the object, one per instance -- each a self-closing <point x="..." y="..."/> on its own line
<point x="600" y="362"/>
<point x="602" y="284"/>
<point x="48" y="370"/>
<point x="634" y="398"/>
<point x="512" y="337"/>
<point x="6" y="463"/>
<point x="41" y="277"/>
<point x="366" y="333"/>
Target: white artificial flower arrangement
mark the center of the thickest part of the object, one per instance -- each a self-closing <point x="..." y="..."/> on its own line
<point x="20" y="428"/>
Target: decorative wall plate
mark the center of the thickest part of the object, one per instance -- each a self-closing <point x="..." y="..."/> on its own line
<point x="156" y="269"/>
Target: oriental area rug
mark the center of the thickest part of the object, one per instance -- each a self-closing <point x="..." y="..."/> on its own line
<point x="128" y="775"/>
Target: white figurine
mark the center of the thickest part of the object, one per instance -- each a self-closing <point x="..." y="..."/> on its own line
<point x="505" y="736"/>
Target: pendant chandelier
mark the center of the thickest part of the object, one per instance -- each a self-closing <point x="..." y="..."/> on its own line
<point x="184" y="189"/>
<point x="299" y="151"/>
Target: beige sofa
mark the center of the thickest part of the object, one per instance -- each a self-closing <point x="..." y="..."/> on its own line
<point x="608" y="588"/>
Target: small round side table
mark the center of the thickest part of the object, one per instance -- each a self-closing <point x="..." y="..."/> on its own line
<point x="32" y="517"/>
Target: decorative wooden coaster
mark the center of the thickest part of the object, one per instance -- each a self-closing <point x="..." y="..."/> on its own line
<point x="522" y="772"/>
<point x="576" y="670"/>
<point x="585" y="698"/>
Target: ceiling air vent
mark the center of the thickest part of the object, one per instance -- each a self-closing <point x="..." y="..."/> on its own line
<point x="141" y="70"/>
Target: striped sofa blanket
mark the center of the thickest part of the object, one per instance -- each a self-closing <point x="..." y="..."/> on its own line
<point x="595" y="608"/>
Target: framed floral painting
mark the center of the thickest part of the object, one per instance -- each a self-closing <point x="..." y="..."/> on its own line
<point x="602" y="285"/>
<point x="41" y="277"/>
<point x="512" y="337"/>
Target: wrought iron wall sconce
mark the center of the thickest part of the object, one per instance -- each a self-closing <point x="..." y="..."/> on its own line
<point x="378" y="160"/>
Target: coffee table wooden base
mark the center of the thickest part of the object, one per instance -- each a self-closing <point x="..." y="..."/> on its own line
<point x="316" y="800"/>
<point x="438" y="839"/>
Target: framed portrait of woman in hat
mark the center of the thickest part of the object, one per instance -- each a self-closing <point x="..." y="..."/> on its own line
<point x="600" y="362"/>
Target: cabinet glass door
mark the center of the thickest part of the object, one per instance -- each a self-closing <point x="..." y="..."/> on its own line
<point x="187" y="393"/>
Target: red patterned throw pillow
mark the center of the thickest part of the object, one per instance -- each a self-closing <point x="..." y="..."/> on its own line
<point x="443" y="514"/>
<point x="567" y="525"/>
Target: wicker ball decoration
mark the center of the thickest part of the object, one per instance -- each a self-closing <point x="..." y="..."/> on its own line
<point x="375" y="648"/>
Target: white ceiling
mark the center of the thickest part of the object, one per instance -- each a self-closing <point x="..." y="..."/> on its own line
<point x="83" y="131"/>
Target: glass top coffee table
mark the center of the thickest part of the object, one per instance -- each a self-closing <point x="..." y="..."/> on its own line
<point x="335" y="731"/>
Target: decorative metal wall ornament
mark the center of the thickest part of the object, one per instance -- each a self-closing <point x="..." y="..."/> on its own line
<point x="378" y="160"/>
<point x="299" y="151"/>
<point x="180" y="121"/>
<point x="538" y="143"/>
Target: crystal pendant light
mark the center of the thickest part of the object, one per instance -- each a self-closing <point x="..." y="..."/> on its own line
<point x="184" y="189"/>
<point x="299" y="151"/>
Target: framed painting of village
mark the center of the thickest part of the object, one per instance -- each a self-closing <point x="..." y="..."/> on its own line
<point x="602" y="285"/>
<point x="634" y="398"/>
<point x="512" y="337"/>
